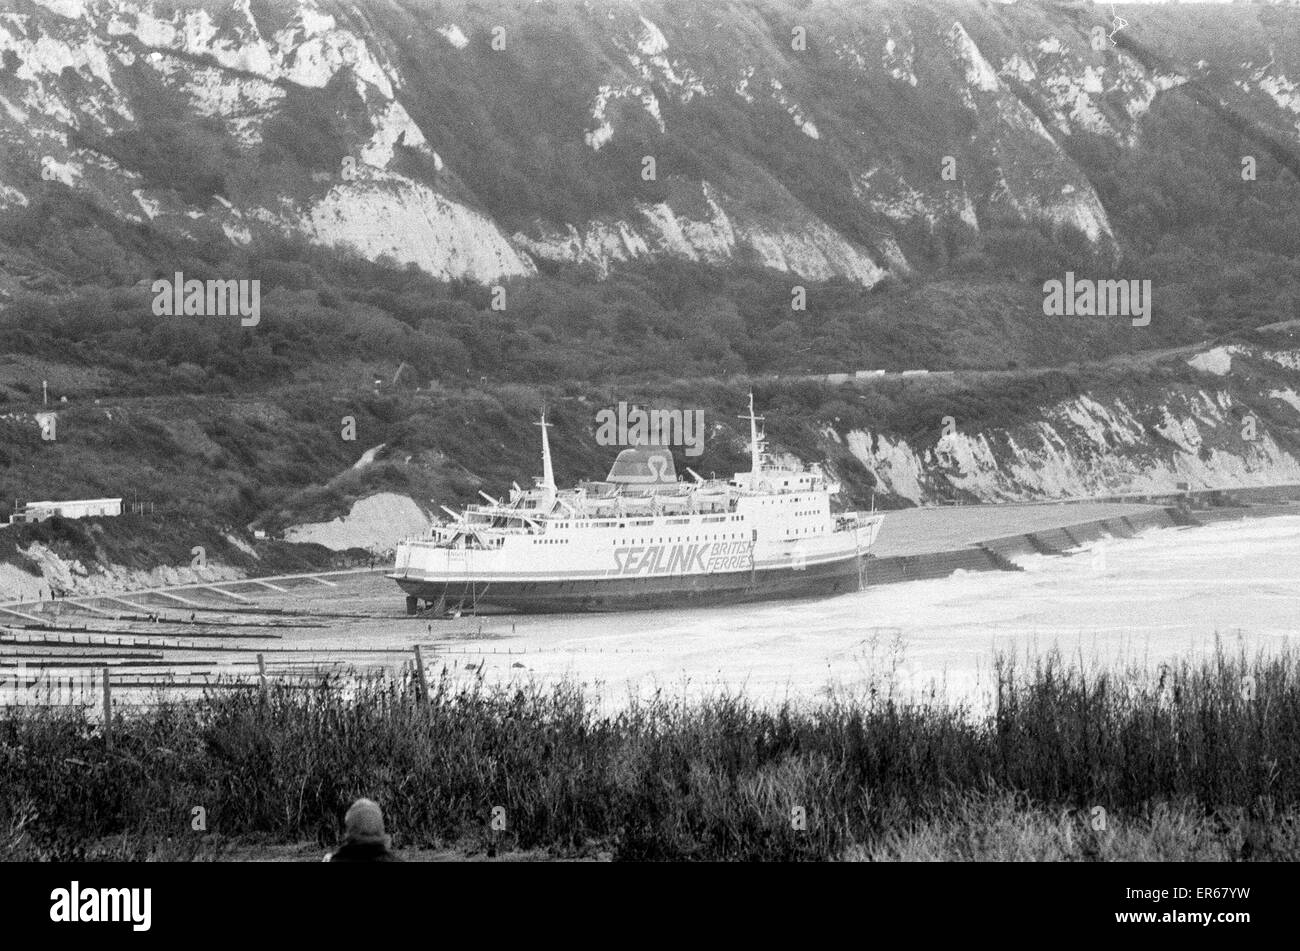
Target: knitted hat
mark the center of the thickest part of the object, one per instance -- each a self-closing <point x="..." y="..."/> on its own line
<point x="364" y="824"/>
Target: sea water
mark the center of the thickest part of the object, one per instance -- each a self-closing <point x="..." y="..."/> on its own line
<point x="1166" y="595"/>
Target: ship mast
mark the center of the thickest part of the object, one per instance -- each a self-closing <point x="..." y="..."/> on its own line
<point x="755" y="444"/>
<point x="548" y="472"/>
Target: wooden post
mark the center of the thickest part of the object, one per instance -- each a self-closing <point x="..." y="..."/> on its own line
<point x="424" y="683"/>
<point x="261" y="672"/>
<point x="108" y="711"/>
<point x="857" y="553"/>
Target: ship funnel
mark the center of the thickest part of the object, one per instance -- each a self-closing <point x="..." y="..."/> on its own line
<point x="643" y="465"/>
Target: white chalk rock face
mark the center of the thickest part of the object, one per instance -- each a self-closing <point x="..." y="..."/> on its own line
<point x="376" y="523"/>
<point x="239" y="74"/>
<point x="72" y="576"/>
<point x="1092" y="445"/>
<point x="808" y="248"/>
<point x="454" y="35"/>
<point x="385" y="214"/>
<point x="1019" y="80"/>
<point x="1217" y="361"/>
<point x="393" y="127"/>
<point x="979" y="72"/>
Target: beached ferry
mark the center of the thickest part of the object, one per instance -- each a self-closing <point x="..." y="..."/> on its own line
<point x="642" y="538"/>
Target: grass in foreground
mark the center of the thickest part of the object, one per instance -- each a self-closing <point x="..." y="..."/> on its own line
<point x="1200" y="761"/>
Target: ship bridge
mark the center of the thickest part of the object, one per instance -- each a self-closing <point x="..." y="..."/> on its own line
<point x="767" y="477"/>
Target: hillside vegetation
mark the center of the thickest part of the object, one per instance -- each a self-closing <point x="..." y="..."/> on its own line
<point x="443" y="344"/>
<point x="1068" y="764"/>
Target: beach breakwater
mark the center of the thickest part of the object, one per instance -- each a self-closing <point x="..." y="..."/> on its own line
<point x="999" y="554"/>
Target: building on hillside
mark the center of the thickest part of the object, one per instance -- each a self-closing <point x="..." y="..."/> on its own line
<point x="70" y="508"/>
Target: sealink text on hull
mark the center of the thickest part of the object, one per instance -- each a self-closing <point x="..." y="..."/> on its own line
<point x="642" y="538"/>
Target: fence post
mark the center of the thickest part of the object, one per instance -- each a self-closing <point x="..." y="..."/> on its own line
<point x="424" y="683"/>
<point x="261" y="673"/>
<point x="108" y="710"/>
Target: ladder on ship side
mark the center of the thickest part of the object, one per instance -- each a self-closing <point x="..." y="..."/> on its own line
<point x="753" y="544"/>
<point x="475" y="595"/>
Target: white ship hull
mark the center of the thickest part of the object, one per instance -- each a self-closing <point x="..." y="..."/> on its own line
<point x="661" y="566"/>
<point x="642" y="538"/>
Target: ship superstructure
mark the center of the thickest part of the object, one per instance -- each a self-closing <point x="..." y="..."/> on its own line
<point x="641" y="538"/>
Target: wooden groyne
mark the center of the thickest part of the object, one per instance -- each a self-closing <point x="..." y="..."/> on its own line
<point x="294" y="626"/>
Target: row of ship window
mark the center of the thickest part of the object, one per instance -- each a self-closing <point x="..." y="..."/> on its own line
<point x="689" y="538"/>
<point x="672" y="521"/>
<point x="650" y="541"/>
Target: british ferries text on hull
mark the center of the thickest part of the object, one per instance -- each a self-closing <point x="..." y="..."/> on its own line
<point x="642" y="538"/>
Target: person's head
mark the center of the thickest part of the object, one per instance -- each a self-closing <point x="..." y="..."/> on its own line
<point x="364" y="824"/>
